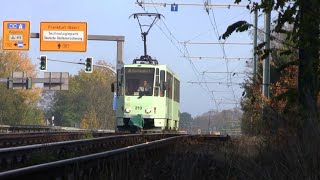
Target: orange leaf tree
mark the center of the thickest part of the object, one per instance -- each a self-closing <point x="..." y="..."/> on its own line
<point x="18" y="106"/>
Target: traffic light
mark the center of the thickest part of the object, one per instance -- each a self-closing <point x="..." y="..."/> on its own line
<point x="89" y="65"/>
<point x="43" y="63"/>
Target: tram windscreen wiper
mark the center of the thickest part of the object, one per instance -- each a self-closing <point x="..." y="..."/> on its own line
<point x="141" y="93"/>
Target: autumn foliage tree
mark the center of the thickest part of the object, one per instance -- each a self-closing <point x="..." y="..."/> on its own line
<point x="298" y="87"/>
<point x="89" y="101"/>
<point x="18" y="106"/>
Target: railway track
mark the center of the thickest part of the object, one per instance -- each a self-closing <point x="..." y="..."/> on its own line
<point x="6" y="129"/>
<point x="22" y="156"/>
<point x="23" y="139"/>
<point x="122" y="162"/>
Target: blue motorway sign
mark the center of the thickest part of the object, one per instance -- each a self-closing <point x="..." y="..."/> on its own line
<point x="174" y="7"/>
<point x="16" y="25"/>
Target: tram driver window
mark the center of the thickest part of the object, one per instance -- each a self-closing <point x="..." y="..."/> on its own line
<point x="131" y="86"/>
<point x="139" y="81"/>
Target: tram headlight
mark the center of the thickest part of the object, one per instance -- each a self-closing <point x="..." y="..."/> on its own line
<point x="127" y="110"/>
<point x="148" y="110"/>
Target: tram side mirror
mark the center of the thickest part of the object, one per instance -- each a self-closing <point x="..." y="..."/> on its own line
<point x="112" y="87"/>
<point x="163" y="85"/>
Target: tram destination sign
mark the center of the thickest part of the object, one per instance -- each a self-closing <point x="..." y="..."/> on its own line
<point x="63" y="36"/>
<point x="16" y="35"/>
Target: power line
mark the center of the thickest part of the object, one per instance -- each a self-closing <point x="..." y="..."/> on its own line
<point x="214" y="25"/>
<point x="194" y="37"/>
<point x="210" y="57"/>
<point x="229" y="103"/>
<point x="229" y="43"/>
<point x="190" y="4"/>
<point x="212" y="82"/>
<point x="243" y="83"/>
<point x="187" y="52"/>
<point x="222" y="47"/>
<point x="225" y="72"/>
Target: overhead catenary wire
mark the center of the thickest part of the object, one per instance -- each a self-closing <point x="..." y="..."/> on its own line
<point x="174" y="40"/>
<point x="226" y="72"/>
<point x="211" y="57"/>
<point x="240" y="84"/>
<point x="190" y="4"/>
<point x="214" y="25"/>
<point x="215" y="28"/>
<point x="227" y="43"/>
<point x="186" y="51"/>
<point x="209" y="6"/>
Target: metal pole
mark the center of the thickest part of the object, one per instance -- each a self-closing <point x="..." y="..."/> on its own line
<point x="145" y="44"/>
<point x="266" y="63"/>
<point x="255" y="34"/>
<point x="119" y="54"/>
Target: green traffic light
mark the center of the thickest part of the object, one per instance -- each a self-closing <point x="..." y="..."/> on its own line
<point x="43" y="63"/>
<point x="88" y="65"/>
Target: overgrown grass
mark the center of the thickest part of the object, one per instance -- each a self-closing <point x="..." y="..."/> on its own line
<point x="264" y="157"/>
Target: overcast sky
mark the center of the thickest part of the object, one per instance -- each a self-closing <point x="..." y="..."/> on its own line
<point x="189" y="23"/>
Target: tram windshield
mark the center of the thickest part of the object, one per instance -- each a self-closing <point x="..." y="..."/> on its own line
<point x="139" y="81"/>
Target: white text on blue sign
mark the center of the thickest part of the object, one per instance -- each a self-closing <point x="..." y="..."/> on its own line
<point x="174" y="7"/>
<point x="16" y="25"/>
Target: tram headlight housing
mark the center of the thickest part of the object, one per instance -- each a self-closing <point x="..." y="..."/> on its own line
<point x="127" y="110"/>
<point x="148" y="110"/>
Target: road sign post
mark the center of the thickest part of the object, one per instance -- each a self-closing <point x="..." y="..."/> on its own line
<point x="63" y="36"/>
<point x="16" y="35"/>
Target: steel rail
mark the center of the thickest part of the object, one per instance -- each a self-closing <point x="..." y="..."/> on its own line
<point x="112" y="163"/>
<point x="23" y="139"/>
<point x="16" y="157"/>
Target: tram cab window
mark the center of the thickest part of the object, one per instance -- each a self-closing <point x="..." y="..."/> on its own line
<point x="139" y="81"/>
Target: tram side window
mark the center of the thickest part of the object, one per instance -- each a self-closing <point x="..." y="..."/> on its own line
<point x="169" y="85"/>
<point x="176" y="90"/>
<point x="156" y="84"/>
<point x="162" y="81"/>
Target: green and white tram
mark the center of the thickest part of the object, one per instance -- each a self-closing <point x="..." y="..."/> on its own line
<point x="154" y="106"/>
<point x="148" y="94"/>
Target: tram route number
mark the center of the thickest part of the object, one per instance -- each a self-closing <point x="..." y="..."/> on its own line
<point x="138" y="108"/>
